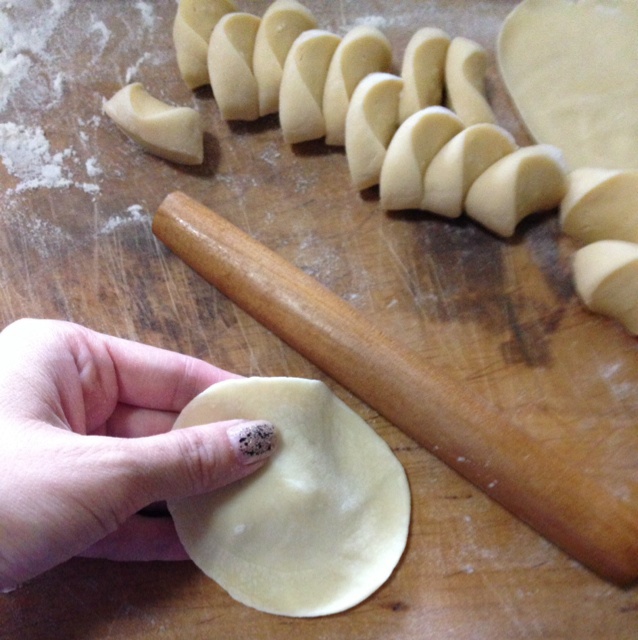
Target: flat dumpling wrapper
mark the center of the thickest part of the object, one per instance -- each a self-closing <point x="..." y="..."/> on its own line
<point x="321" y="526"/>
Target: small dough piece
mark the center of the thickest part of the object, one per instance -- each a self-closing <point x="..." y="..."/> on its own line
<point x="459" y="163"/>
<point x="423" y="71"/>
<point x="572" y="71"/>
<point x="193" y="24"/>
<point x="302" y="85"/>
<point x="280" y="26"/>
<point x="465" y="68"/>
<point x="321" y="526"/>
<point x="362" y="51"/>
<point x="230" y="60"/>
<point x="606" y="280"/>
<point x="371" y="122"/>
<point x="530" y="180"/>
<point x="173" y="133"/>
<point x="601" y="204"/>
<point x="411" y="151"/>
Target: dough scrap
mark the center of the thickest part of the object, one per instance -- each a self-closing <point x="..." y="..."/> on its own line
<point x="371" y="122"/>
<point x="423" y="71"/>
<point x="530" y="180"/>
<point x="362" y="51"/>
<point x="230" y="60"/>
<point x="321" y="526"/>
<point x="409" y="154"/>
<point x="572" y="71"/>
<point x="606" y="280"/>
<point x="465" y="67"/>
<point x="302" y="85"/>
<point x="173" y="133"/>
<point x="459" y="163"/>
<point x="600" y="204"/>
<point x="192" y="26"/>
<point x="281" y="24"/>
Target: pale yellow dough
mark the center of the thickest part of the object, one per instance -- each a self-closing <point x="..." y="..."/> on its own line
<point x="362" y="51"/>
<point x="572" y="71"/>
<point x="193" y="24"/>
<point x="321" y="526"/>
<point x="529" y="180"/>
<point x="606" y="280"/>
<point x="371" y="122"/>
<point x="601" y="204"/>
<point x="173" y="133"/>
<point x="459" y="163"/>
<point x="423" y="71"/>
<point x="465" y="68"/>
<point x="409" y="154"/>
<point x="281" y="24"/>
<point x="230" y="66"/>
<point x="302" y="86"/>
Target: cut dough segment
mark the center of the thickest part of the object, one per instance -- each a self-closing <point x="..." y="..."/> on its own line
<point x="280" y="26"/>
<point x="302" y="85"/>
<point x="601" y="204"/>
<point x="459" y="163"/>
<point x="572" y="71"/>
<point x="465" y="68"/>
<point x="362" y="51"/>
<point x="230" y="59"/>
<point x="606" y="280"/>
<point x="371" y="122"/>
<point x="423" y="71"/>
<point x="173" y="133"/>
<point x="321" y="526"/>
<point x="530" y="180"/>
<point x="413" y="147"/>
<point x="193" y="24"/>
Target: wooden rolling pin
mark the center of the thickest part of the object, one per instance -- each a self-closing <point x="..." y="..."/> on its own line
<point x="548" y="493"/>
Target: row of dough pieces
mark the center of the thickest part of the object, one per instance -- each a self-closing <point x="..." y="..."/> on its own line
<point x="434" y="161"/>
<point x="339" y="89"/>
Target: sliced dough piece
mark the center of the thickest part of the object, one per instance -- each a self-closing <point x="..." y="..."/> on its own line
<point x="606" y="280"/>
<point x="321" y="526"/>
<point x="459" y="163"/>
<point x="173" y="133"/>
<point x="280" y="26"/>
<point x="530" y="180"/>
<point x="423" y="71"/>
<point x="302" y="84"/>
<point x="193" y="24"/>
<point x="601" y="204"/>
<point x="572" y="71"/>
<point x="230" y="59"/>
<point x="465" y="68"/>
<point x="371" y="122"/>
<point x="414" y="146"/>
<point x="362" y="51"/>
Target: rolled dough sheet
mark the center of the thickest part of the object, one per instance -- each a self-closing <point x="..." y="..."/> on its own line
<point x="321" y="526"/>
<point x="571" y="67"/>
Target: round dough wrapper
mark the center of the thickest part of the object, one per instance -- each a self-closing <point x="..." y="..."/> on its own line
<point x="321" y="526"/>
<point x="572" y="71"/>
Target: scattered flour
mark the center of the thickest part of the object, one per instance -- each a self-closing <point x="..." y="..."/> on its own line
<point x="135" y="214"/>
<point x="26" y="154"/>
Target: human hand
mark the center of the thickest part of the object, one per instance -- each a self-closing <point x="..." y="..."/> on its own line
<point x="85" y="445"/>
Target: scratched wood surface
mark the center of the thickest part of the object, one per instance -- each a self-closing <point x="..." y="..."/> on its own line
<point x="75" y="243"/>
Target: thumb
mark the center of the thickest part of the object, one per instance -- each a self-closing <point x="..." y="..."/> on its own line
<point x="199" y="459"/>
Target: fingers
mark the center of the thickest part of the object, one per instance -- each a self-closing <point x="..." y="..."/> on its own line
<point x="194" y="460"/>
<point x="140" y="539"/>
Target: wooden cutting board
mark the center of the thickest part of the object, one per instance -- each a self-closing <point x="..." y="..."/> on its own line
<point x="499" y="316"/>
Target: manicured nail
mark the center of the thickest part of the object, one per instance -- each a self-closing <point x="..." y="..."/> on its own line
<point x="252" y="441"/>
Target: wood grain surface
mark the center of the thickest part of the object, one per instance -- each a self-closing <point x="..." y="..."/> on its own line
<point x="499" y="316"/>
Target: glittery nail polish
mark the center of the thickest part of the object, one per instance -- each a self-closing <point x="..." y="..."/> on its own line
<point x="252" y="441"/>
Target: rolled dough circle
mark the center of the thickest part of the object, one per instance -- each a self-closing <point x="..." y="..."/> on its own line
<point x="321" y="526"/>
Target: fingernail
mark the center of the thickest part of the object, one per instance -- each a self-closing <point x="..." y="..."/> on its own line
<point x="252" y="441"/>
